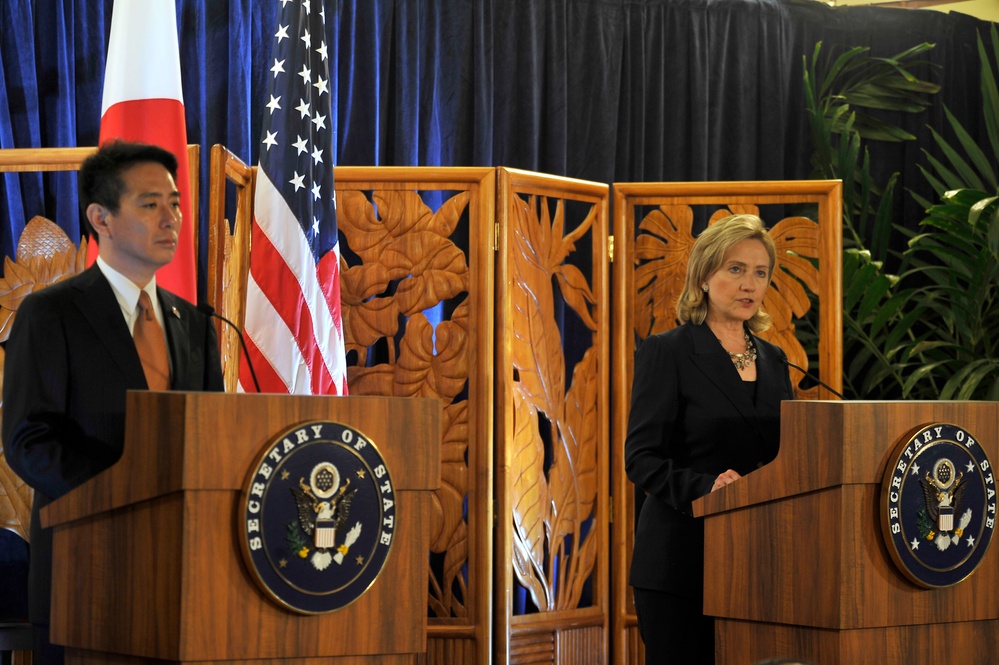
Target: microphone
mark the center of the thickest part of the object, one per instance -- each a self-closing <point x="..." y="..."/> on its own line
<point x="209" y="311"/>
<point x="814" y="378"/>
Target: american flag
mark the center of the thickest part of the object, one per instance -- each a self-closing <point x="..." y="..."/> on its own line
<point x="293" y="324"/>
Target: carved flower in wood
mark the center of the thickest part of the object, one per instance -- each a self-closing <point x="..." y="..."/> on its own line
<point x="45" y="255"/>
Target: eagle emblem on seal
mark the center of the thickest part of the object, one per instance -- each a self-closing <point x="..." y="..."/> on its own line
<point x="943" y="490"/>
<point x="323" y="511"/>
<point x="312" y="487"/>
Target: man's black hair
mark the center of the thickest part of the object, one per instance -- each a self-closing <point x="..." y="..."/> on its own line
<point x="100" y="178"/>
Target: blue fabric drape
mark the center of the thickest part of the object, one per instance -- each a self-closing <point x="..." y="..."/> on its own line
<point x="596" y="89"/>
<point x="19" y="117"/>
<point x="604" y="90"/>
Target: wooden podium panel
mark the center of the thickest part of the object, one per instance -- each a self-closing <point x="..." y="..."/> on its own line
<point x="795" y="560"/>
<point x="148" y="562"/>
<point x="973" y="643"/>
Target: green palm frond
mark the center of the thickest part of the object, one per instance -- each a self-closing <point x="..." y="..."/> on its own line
<point x="956" y="253"/>
<point x="841" y="95"/>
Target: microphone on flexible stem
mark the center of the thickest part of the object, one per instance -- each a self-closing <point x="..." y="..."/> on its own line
<point x="209" y="311"/>
<point x="814" y="378"/>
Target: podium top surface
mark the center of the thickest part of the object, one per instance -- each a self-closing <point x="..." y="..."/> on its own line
<point x="193" y="441"/>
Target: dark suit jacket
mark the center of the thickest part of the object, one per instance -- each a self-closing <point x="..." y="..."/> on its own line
<point x="69" y="361"/>
<point x="692" y="417"/>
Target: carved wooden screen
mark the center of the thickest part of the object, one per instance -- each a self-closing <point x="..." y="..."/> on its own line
<point x="653" y="224"/>
<point x="229" y="251"/>
<point x="45" y="255"/>
<point x="552" y="371"/>
<point x="417" y="305"/>
<point x="418" y="321"/>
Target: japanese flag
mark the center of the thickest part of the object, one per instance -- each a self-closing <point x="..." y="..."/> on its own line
<point x="144" y="102"/>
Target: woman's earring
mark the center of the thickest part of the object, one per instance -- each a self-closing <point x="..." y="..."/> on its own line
<point x="704" y="287"/>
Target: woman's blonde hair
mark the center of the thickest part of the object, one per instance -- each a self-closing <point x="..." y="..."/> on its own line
<point x="706" y="257"/>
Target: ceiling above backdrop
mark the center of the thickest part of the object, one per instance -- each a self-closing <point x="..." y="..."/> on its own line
<point x="987" y="10"/>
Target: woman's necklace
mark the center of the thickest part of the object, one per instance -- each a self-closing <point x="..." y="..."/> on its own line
<point x="744" y="360"/>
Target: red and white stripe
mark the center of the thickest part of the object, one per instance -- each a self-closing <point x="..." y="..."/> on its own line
<point x="293" y="321"/>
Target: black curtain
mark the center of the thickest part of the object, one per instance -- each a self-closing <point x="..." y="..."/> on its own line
<point x="605" y="90"/>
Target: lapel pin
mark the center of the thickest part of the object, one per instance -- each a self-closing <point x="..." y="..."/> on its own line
<point x="175" y="312"/>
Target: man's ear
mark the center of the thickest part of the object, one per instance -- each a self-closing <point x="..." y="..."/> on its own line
<point x="97" y="216"/>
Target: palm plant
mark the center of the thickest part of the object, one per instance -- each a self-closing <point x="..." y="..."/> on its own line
<point x="840" y="95"/>
<point x="957" y="259"/>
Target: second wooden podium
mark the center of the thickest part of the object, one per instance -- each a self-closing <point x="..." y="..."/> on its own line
<point x="798" y="557"/>
<point x="149" y="566"/>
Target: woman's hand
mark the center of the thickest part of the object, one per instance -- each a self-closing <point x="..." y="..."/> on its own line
<point x="725" y="478"/>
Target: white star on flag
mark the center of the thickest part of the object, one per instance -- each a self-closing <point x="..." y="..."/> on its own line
<point x="293" y="324"/>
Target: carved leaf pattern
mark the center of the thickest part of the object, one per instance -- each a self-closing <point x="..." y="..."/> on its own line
<point x="661" y="252"/>
<point x="45" y="255"/>
<point x="424" y="372"/>
<point x="549" y="508"/>
<point x="450" y="536"/>
<point x="574" y="479"/>
<point x="408" y="265"/>
<point x="366" y="233"/>
<point x="370" y="321"/>
<point x="579" y="431"/>
<point x="398" y="239"/>
<point x="584" y="561"/>
<point x="15" y="494"/>
<point x="439" y="274"/>
<point x="531" y="502"/>
<point x="14" y="286"/>
<point x="537" y="344"/>
<point x="576" y="291"/>
<point x="376" y="380"/>
<point x="572" y="283"/>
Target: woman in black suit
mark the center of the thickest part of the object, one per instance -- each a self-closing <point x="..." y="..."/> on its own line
<point x="705" y="410"/>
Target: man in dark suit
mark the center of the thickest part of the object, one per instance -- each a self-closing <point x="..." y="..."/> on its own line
<point x="71" y="356"/>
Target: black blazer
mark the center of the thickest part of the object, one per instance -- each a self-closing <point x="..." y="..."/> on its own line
<point x="692" y="417"/>
<point x="69" y="361"/>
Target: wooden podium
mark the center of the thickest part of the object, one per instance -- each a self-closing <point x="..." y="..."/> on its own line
<point x="796" y="564"/>
<point x="148" y="563"/>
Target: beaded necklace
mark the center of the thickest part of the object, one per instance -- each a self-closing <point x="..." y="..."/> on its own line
<point x="744" y="360"/>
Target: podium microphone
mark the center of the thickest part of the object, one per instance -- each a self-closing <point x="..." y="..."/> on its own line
<point x="209" y="311"/>
<point x="811" y="376"/>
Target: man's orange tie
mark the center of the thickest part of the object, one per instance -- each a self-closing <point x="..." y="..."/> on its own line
<point x="151" y="345"/>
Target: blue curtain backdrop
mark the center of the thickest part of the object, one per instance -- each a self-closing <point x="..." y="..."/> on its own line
<point x="604" y="90"/>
